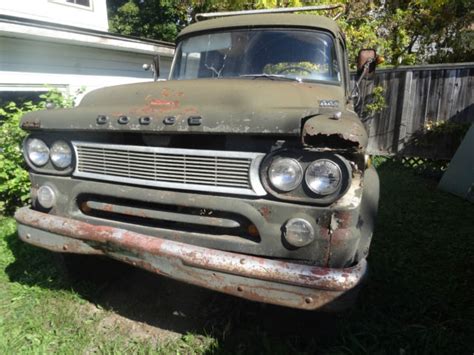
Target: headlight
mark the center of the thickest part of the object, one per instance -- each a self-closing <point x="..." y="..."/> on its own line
<point x="46" y="196"/>
<point x="37" y="151"/>
<point x="299" y="232"/>
<point x="61" y="154"/>
<point x="285" y="174"/>
<point x="323" y="177"/>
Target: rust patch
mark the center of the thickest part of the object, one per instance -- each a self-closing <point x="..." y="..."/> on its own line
<point x="344" y="219"/>
<point x="166" y="92"/>
<point x="107" y="207"/>
<point x="33" y="124"/>
<point x="341" y="237"/>
<point x="323" y="131"/>
<point x="190" y="110"/>
<point x="265" y="212"/>
<point x="336" y="141"/>
<point x="197" y="264"/>
<point x="167" y="103"/>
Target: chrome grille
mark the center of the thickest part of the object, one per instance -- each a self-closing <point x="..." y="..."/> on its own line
<point x="201" y="170"/>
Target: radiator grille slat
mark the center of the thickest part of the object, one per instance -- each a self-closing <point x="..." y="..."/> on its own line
<point x="202" y="170"/>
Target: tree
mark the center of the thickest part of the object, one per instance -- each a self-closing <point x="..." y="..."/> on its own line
<point x="154" y="19"/>
<point x="431" y="30"/>
<point x="403" y="31"/>
<point x="159" y="19"/>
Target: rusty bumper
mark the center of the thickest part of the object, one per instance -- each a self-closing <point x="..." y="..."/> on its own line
<point x="254" y="278"/>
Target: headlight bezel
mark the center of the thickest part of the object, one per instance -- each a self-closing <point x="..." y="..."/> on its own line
<point x="49" y="168"/>
<point x="303" y="193"/>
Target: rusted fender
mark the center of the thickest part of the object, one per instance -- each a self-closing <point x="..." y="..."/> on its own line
<point x="325" y="131"/>
<point x="111" y="239"/>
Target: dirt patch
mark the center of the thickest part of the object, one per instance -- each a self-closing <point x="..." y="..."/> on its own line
<point x="137" y="330"/>
<point x="157" y="309"/>
<point x="150" y="306"/>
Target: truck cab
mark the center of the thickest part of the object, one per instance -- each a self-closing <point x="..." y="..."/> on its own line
<point x="245" y="173"/>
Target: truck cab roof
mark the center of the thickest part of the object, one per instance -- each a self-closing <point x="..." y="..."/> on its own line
<point x="263" y="20"/>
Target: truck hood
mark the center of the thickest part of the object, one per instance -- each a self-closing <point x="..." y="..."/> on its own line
<point x="247" y="106"/>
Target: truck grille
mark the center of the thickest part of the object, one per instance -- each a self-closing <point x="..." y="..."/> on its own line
<point x="189" y="169"/>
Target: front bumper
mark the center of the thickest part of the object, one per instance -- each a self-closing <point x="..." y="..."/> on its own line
<point x="254" y="278"/>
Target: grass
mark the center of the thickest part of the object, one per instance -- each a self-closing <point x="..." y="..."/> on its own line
<point x="418" y="299"/>
<point x="41" y="311"/>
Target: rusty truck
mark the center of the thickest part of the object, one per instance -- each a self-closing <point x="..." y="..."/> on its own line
<point x="245" y="172"/>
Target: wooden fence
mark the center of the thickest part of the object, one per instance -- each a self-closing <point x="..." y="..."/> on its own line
<point x="416" y="95"/>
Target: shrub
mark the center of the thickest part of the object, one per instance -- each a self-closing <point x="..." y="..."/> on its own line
<point x="376" y="102"/>
<point x="14" y="181"/>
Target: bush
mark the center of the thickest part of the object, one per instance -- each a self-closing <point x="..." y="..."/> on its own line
<point x="14" y="180"/>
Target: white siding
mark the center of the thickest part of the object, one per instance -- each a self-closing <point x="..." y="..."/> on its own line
<point x="58" y="11"/>
<point x="30" y="65"/>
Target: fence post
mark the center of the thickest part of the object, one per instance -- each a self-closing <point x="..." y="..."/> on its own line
<point x="407" y="111"/>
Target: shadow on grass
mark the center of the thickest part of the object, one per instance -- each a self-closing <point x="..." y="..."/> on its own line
<point x="167" y="304"/>
<point x="33" y="266"/>
<point x="418" y="298"/>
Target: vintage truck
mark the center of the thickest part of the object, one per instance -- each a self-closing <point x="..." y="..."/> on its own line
<point x="245" y="173"/>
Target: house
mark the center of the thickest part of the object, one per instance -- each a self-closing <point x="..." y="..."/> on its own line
<point x="65" y="44"/>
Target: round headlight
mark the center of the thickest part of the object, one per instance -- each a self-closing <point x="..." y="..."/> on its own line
<point x="299" y="232"/>
<point x="61" y="154"/>
<point x="37" y="151"/>
<point x="46" y="196"/>
<point x="323" y="177"/>
<point x="285" y="174"/>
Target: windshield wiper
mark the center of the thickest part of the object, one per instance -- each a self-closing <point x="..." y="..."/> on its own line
<point x="272" y="77"/>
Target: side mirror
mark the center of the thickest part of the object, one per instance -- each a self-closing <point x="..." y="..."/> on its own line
<point x="366" y="61"/>
<point x="155" y="67"/>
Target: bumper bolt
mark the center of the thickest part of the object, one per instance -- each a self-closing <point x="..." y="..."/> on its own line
<point x="308" y="300"/>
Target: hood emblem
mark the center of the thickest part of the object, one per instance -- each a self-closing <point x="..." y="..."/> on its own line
<point x="329" y="103"/>
<point x="102" y="119"/>
<point x="169" y="120"/>
<point x="194" y="120"/>
<point x="123" y="120"/>
<point x="144" y="120"/>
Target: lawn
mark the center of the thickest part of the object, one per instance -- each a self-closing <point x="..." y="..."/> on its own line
<point x="418" y="299"/>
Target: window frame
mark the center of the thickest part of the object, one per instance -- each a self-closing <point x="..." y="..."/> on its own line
<point x="276" y="28"/>
<point x="74" y="5"/>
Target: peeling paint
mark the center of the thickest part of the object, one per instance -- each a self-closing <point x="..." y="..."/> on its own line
<point x="285" y="277"/>
<point x="226" y="105"/>
<point x="344" y="133"/>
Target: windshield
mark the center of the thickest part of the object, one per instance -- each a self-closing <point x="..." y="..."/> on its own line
<point x="271" y="53"/>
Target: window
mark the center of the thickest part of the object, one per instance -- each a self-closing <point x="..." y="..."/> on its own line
<point x="305" y="55"/>
<point x="80" y="2"/>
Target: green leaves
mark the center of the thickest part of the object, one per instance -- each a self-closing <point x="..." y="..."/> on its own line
<point x="404" y="32"/>
<point x="14" y="183"/>
<point x="14" y="179"/>
<point x="151" y="19"/>
<point x="376" y="102"/>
